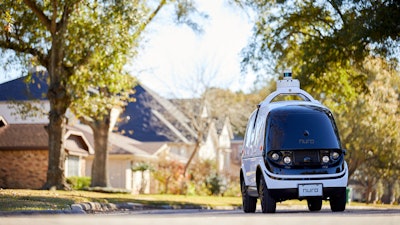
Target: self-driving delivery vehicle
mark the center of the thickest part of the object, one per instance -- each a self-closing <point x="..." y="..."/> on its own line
<point x="292" y="150"/>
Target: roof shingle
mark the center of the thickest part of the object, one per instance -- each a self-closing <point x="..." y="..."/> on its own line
<point x="23" y="136"/>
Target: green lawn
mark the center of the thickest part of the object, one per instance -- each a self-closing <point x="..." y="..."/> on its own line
<point x="13" y="199"/>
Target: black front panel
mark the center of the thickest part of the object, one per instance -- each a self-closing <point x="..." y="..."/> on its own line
<point x="306" y="158"/>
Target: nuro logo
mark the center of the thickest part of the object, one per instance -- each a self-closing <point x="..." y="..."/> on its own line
<point x="306" y="141"/>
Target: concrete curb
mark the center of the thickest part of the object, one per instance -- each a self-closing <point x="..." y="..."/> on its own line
<point x="92" y="207"/>
<point x="103" y="207"/>
<point x="41" y="212"/>
<point x="96" y="207"/>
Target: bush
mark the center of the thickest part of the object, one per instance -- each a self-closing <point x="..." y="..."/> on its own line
<point x="215" y="184"/>
<point x="79" y="183"/>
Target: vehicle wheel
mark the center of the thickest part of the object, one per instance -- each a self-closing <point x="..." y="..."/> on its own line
<point x="268" y="204"/>
<point x="314" y="204"/>
<point x="338" y="201"/>
<point x="249" y="202"/>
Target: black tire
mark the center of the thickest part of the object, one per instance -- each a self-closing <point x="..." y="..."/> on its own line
<point x="338" y="200"/>
<point x="268" y="204"/>
<point x="314" y="204"/>
<point x="249" y="202"/>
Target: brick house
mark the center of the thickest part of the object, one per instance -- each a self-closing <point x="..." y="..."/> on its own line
<point x="24" y="154"/>
<point x="153" y="128"/>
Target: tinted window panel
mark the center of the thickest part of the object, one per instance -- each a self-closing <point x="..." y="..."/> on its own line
<point x="301" y="127"/>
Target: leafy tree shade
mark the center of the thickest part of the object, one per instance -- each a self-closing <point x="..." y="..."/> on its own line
<point x="39" y="30"/>
<point x="101" y="87"/>
<point x="72" y="49"/>
<point x="370" y="129"/>
<point x="346" y="53"/>
<point x="316" y="37"/>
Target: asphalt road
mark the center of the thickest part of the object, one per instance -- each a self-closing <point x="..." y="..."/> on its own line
<point x="301" y="216"/>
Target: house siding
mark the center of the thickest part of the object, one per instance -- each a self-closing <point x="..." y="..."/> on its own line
<point x="24" y="169"/>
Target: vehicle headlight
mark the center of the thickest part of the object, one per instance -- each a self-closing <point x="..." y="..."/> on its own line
<point x="335" y="155"/>
<point x="275" y="156"/>
<point x="287" y="159"/>
<point x="325" y="159"/>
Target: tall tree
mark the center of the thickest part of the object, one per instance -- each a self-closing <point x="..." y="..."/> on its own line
<point x="51" y="34"/>
<point x="329" y="46"/>
<point x="38" y="30"/>
<point x="101" y="88"/>
<point x="369" y="129"/>
<point x="318" y="38"/>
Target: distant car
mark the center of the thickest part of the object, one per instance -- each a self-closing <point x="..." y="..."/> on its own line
<point x="292" y="150"/>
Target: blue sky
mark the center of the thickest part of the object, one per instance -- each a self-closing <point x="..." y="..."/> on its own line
<point x="177" y="62"/>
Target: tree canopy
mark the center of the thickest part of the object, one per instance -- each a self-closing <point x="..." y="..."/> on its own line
<point x="83" y="47"/>
<point x="346" y="53"/>
<point x="317" y="37"/>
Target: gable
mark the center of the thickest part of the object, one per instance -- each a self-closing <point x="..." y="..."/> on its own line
<point x="152" y="118"/>
<point x="76" y="143"/>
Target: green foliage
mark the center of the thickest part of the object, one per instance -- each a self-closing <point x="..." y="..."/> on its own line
<point x="105" y="37"/>
<point x="344" y="53"/>
<point x="142" y="166"/>
<point x="319" y="38"/>
<point x="84" y="46"/>
<point x="205" y="180"/>
<point x="215" y="184"/>
<point x="369" y="129"/>
<point x="79" y="183"/>
<point x="109" y="190"/>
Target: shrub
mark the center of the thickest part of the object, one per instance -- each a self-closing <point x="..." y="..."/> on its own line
<point x="215" y="184"/>
<point x="79" y="183"/>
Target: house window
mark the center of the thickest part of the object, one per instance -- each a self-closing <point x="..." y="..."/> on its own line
<point x="73" y="166"/>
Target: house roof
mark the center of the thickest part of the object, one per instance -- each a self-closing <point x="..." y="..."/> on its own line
<point x="150" y="118"/>
<point x="24" y="88"/>
<point x="35" y="137"/>
<point x="23" y="136"/>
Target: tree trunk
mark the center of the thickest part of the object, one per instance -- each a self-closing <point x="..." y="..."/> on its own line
<point x="196" y="149"/>
<point x="166" y="185"/>
<point x="56" y="160"/>
<point x="100" y="162"/>
<point x="59" y="102"/>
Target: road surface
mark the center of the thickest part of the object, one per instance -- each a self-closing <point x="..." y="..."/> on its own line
<point x="352" y="215"/>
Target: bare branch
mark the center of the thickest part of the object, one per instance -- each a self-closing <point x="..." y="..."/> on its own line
<point x="68" y="8"/>
<point x="53" y="22"/>
<point x="23" y="48"/>
<point x="337" y="9"/>
<point x="143" y="26"/>
<point x="42" y="17"/>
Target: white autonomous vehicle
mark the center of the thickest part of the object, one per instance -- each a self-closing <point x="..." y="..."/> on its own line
<point x="292" y="150"/>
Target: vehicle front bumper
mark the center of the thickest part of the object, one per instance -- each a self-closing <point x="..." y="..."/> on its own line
<point x="278" y="181"/>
